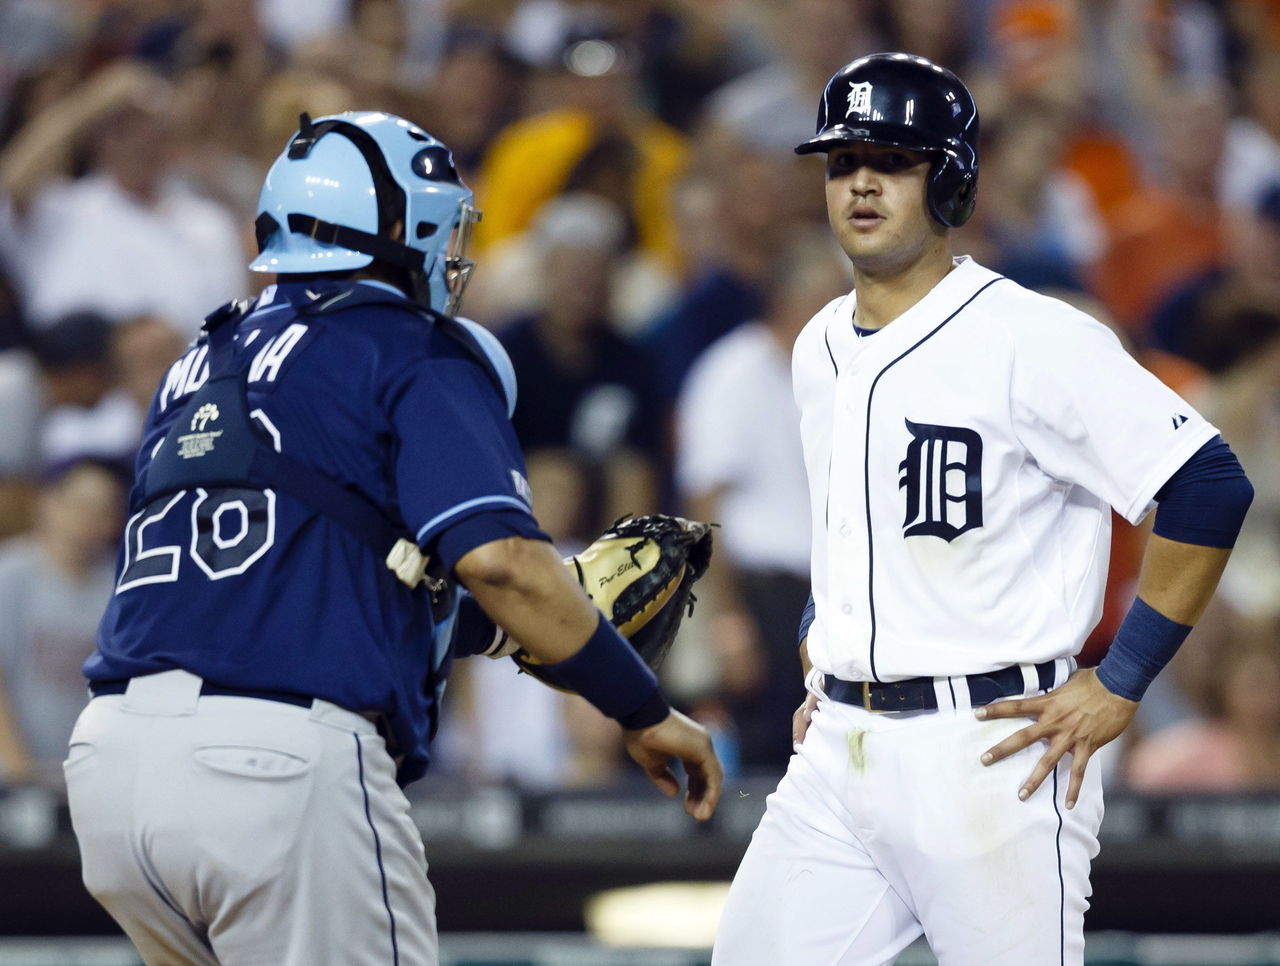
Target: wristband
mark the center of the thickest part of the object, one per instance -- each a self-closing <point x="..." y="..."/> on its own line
<point x="654" y="710"/>
<point x="1144" y="644"/>
<point x="607" y="672"/>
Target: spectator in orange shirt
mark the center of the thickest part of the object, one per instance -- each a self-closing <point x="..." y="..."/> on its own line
<point x="1220" y="316"/>
<point x="600" y="140"/>
<point x="1170" y="230"/>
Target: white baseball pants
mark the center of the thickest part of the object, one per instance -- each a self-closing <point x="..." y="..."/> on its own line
<point x="246" y="832"/>
<point x="887" y="826"/>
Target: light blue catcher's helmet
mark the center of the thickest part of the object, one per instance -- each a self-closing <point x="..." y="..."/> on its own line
<point x="363" y="185"/>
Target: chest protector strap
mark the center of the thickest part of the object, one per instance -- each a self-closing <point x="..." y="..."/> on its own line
<point x="215" y="442"/>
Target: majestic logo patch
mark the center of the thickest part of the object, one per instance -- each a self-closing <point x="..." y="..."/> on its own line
<point x="942" y="477"/>
<point x="859" y="98"/>
<point x="1178" y="420"/>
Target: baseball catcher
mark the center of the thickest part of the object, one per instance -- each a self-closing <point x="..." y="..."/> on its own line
<point x="253" y="630"/>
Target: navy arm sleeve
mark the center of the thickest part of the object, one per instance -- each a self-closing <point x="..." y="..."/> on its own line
<point x="1205" y="502"/>
<point x="806" y="619"/>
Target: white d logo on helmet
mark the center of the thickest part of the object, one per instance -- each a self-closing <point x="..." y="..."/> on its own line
<point x="859" y="98"/>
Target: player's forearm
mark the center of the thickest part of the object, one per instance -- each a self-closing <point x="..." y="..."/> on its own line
<point x="1202" y="508"/>
<point x="523" y="585"/>
<point x="1178" y="579"/>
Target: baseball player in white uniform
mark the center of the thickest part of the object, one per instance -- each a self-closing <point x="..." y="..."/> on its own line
<point x="965" y="440"/>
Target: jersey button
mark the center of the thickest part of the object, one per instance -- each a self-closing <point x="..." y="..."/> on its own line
<point x="845" y="530"/>
<point x="846" y="609"/>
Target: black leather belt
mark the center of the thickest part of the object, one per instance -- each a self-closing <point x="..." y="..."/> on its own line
<point x="917" y="694"/>
<point x="99" y="688"/>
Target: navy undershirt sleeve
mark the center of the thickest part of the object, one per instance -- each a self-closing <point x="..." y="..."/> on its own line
<point x="806" y="619"/>
<point x="1205" y="502"/>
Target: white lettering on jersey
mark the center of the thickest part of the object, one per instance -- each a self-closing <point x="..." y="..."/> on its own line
<point x="267" y="363"/>
<point x="191" y="371"/>
<point x="199" y="371"/>
<point x="185" y="376"/>
<point x="176" y="376"/>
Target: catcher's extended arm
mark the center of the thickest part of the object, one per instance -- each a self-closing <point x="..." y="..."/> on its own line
<point x="640" y="574"/>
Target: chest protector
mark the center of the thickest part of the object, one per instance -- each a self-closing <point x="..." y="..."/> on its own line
<point x="215" y="441"/>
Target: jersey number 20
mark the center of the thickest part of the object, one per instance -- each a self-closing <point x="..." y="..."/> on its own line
<point x="231" y="527"/>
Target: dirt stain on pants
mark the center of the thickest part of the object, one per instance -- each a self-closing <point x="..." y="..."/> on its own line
<point x="858" y="751"/>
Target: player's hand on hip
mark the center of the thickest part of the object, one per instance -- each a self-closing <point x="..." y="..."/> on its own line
<point x="800" y="720"/>
<point x="1078" y="718"/>
<point x="676" y="736"/>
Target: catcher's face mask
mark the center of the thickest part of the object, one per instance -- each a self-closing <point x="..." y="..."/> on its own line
<point x="457" y="266"/>
<point x="354" y="187"/>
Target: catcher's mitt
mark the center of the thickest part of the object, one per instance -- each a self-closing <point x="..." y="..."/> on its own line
<point x="640" y="573"/>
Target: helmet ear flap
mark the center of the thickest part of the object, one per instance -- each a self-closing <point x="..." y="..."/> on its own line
<point x="264" y="226"/>
<point x="953" y="191"/>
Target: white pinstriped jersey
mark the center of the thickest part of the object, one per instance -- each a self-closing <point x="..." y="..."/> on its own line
<point x="961" y="464"/>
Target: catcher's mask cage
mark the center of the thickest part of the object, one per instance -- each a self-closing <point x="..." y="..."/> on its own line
<point x="907" y="101"/>
<point x="361" y="186"/>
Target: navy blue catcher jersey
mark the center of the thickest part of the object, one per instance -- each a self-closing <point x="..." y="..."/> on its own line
<point x="255" y="589"/>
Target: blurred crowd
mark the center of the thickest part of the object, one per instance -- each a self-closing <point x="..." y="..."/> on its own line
<point x="649" y="249"/>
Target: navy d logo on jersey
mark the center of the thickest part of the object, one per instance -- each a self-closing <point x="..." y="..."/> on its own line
<point x="942" y="477"/>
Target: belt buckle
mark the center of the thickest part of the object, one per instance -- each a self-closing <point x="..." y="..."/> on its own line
<point x="866" y="700"/>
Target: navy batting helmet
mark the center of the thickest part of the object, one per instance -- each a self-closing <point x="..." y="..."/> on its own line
<point x="906" y="101"/>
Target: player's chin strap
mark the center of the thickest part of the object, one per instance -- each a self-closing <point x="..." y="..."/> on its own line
<point x="236" y="455"/>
